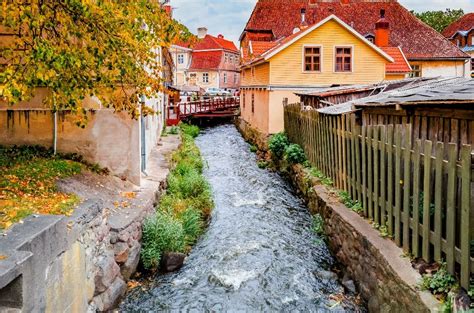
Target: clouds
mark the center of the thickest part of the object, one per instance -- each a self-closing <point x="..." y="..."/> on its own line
<point x="228" y="17"/>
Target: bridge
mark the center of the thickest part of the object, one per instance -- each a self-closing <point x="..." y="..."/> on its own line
<point x="212" y="108"/>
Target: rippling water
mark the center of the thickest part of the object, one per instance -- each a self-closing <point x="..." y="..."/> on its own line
<point x="258" y="253"/>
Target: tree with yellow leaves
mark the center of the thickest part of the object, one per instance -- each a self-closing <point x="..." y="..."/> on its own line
<point x="109" y="49"/>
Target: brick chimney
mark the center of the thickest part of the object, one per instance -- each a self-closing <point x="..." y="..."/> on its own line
<point x="168" y="9"/>
<point x="202" y="32"/>
<point x="382" y="31"/>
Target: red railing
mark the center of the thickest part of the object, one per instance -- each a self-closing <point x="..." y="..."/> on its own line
<point x="188" y="109"/>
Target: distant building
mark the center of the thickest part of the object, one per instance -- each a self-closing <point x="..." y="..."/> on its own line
<point x="461" y="33"/>
<point x="211" y="62"/>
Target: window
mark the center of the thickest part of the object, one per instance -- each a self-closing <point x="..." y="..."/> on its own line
<point x="415" y="70"/>
<point x="225" y="57"/>
<point x="253" y="103"/>
<point x="253" y="71"/>
<point x="312" y="59"/>
<point x="205" y="77"/>
<point x="472" y="64"/>
<point x="225" y="78"/>
<point x="243" y="99"/>
<point x="235" y="78"/>
<point x="343" y="59"/>
<point x="180" y="58"/>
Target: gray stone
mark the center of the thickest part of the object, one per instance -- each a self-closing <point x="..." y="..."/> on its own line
<point x="172" y="261"/>
<point x="124" y="235"/>
<point x="462" y="302"/>
<point x="111" y="297"/>
<point x="121" y="251"/>
<point x="349" y="284"/>
<point x="107" y="271"/>
<point x="130" y="266"/>
<point x="325" y="276"/>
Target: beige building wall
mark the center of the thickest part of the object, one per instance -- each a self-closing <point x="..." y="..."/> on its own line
<point x="459" y="68"/>
<point x="259" y="116"/>
<point x="276" y="118"/>
<point x="196" y="79"/>
<point x="110" y="139"/>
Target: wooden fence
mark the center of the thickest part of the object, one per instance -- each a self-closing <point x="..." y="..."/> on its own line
<point x="419" y="190"/>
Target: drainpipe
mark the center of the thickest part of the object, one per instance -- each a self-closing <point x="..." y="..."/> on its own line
<point x="55" y="126"/>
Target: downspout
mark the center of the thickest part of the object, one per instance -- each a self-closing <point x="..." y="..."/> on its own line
<point x="55" y="126"/>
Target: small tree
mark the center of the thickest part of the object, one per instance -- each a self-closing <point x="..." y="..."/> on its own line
<point x="439" y="20"/>
<point x="80" y="48"/>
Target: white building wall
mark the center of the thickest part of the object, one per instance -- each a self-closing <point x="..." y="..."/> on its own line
<point x="445" y="69"/>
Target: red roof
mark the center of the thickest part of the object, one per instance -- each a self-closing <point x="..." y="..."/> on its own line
<point x="465" y="23"/>
<point x="400" y="65"/>
<point x="416" y="39"/>
<point x="206" y="60"/>
<point x="211" y="42"/>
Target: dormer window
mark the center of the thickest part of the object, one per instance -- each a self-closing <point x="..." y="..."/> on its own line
<point x="370" y="38"/>
<point x="180" y="58"/>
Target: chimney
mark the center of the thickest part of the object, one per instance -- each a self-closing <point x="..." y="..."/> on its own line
<point x="220" y="36"/>
<point x="202" y="32"/>
<point x="345" y="1"/>
<point x="382" y="31"/>
<point x="304" y="24"/>
<point x="168" y="9"/>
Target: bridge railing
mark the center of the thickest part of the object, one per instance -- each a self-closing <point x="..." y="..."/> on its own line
<point x="186" y="109"/>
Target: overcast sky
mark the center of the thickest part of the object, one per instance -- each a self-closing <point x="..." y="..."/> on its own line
<point x="228" y="17"/>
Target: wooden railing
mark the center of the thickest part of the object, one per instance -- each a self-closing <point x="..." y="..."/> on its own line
<point x="187" y="109"/>
<point x="419" y="191"/>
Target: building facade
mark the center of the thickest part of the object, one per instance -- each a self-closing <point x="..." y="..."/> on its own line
<point x="343" y="50"/>
<point x="211" y="62"/>
<point x="461" y="33"/>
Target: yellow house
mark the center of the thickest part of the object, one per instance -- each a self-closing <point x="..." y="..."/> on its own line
<point x="325" y="54"/>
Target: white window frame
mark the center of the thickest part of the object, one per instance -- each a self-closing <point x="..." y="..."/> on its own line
<point x="352" y="59"/>
<point x="205" y="78"/>
<point x="180" y="58"/>
<point x="304" y="60"/>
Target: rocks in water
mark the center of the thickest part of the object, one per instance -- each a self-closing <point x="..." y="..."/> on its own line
<point x="111" y="297"/>
<point x="326" y="276"/>
<point x="172" y="261"/>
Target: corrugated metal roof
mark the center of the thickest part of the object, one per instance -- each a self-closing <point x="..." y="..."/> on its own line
<point x="416" y="91"/>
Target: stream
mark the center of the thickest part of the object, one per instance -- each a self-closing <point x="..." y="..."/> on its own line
<point x="258" y="253"/>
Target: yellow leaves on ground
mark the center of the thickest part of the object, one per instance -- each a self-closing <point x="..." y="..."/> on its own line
<point x="28" y="184"/>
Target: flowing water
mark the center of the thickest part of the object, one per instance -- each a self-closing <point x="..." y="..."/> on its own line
<point x="258" y="254"/>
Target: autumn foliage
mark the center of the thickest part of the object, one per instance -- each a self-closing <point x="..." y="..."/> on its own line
<point x="78" y="48"/>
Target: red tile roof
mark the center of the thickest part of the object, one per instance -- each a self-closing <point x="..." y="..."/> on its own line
<point x="463" y="24"/>
<point x="400" y="65"/>
<point x="259" y="47"/>
<point x="206" y="60"/>
<point x="417" y="40"/>
<point x="211" y="42"/>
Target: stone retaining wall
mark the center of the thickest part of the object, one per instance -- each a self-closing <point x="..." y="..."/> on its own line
<point x="79" y="263"/>
<point x="384" y="278"/>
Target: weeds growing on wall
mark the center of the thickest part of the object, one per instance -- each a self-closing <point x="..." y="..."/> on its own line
<point x="278" y="144"/>
<point x="439" y="283"/>
<point x="184" y="209"/>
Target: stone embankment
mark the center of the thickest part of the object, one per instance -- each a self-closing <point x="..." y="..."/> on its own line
<point x="383" y="276"/>
<point x="81" y="263"/>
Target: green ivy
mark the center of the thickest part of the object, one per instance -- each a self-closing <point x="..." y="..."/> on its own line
<point x="278" y="144"/>
<point x="295" y="154"/>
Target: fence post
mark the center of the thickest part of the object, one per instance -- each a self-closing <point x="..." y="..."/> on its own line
<point x="451" y="208"/>
<point x="406" y="188"/>
<point x="426" y="201"/>
<point x="466" y="226"/>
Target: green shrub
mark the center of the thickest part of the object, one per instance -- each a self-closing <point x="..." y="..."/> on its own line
<point x="161" y="234"/>
<point x="317" y="173"/>
<point x="278" y="144"/>
<point x="190" y="130"/>
<point x="318" y="225"/>
<point x="439" y="283"/>
<point x="262" y="164"/>
<point x="173" y="130"/>
<point x="295" y="154"/>
<point x="188" y="186"/>
<point x="192" y="225"/>
<point x="253" y="149"/>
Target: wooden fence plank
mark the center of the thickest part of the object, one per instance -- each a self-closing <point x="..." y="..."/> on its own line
<point x="426" y="201"/>
<point x="451" y="208"/>
<point x="416" y="199"/>
<point x="398" y="191"/>
<point x="358" y="163"/>
<point x="344" y="152"/>
<point x="438" y="226"/>
<point x="465" y="244"/>
<point x="390" y="170"/>
<point x="364" y="170"/>
<point x="376" y="179"/>
<point x="406" y="188"/>
<point x="383" y="171"/>
<point x="353" y="158"/>
<point x="340" y="180"/>
<point x="370" y="186"/>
